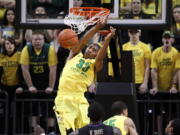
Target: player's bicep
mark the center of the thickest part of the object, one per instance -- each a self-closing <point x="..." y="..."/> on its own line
<point x="71" y="54"/>
<point x="76" y="49"/>
<point x="98" y="65"/>
<point x="129" y="122"/>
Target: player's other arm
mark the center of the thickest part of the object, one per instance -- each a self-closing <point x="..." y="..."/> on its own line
<point x="103" y="50"/>
<point x="89" y="34"/>
<point x="131" y="126"/>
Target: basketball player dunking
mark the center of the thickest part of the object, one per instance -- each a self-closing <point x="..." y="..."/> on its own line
<point x="70" y="104"/>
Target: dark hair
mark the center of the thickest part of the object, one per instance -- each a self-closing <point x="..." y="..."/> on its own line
<point x="97" y="45"/>
<point x="39" y="15"/>
<point x="95" y="112"/>
<point x="41" y="32"/>
<point x="147" y="2"/>
<point x="176" y="126"/>
<point x="176" y="6"/>
<point x="12" y="41"/>
<point x="118" y="107"/>
<point x="5" y="21"/>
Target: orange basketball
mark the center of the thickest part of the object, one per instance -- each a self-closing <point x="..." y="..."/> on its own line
<point x="68" y="38"/>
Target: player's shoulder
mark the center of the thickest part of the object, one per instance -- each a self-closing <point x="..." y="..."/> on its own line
<point x="128" y="121"/>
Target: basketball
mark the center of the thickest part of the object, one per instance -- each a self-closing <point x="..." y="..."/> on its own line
<point x="67" y="38"/>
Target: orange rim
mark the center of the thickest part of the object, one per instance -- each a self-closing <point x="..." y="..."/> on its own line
<point x="89" y="11"/>
<point x="104" y="32"/>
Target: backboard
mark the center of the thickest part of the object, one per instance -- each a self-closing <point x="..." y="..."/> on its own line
<point x="25" y="19"/>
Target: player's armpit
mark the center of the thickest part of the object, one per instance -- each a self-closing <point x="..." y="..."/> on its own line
<point x="116" y="131"/>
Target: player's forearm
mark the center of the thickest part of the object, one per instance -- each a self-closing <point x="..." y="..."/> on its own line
<point x="84" y="40"/>
<point x="52" y="76"/>
<point x="27" y="78"/>
<point x="146" y="75"/>
<point x="175" y="79"/>
<point x="103" y="51"/>
<point x="26" y="75"/>
<point x="154" y="78"/>
<point x="132" y="131"/>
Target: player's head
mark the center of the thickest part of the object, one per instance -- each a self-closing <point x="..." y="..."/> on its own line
<point x="119" y="107"/>
<point x="92" y="51"/>
<point x="37" y="39"/>
<point x="167" y="38"/>
<point x="173" y="127"/>
<point x="95" y="112"/>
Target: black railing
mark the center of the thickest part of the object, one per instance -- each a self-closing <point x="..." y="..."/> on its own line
<point x="27" y="104"/>
<point x="157" y="111"/>
<point x="3" y="112"/>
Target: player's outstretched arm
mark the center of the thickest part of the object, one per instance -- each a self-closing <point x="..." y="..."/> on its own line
<point x="102" y="52"/>
<point x="89" y="34"/>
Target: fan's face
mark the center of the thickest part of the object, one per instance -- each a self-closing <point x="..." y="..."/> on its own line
<point x="176" y="14"/>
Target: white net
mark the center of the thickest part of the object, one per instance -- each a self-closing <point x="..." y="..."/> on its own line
<point x="80" y="23"/>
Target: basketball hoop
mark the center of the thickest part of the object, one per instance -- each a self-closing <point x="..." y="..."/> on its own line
<point x="80" y="18"/>
<point x="104" y="32"/>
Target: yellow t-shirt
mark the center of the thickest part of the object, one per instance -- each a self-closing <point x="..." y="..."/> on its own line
<point x="151" y="8"/>
<point x="117" y="121"/>
<point x="141" y="51"/>
<point x="2" y="11"/>
<point x="105" y="1"/>
<point x="123" y="2"/>
<point x="10" y="66"/>
<point x="177" y="66"/>
<point x="165" y="65"/>
<point x="178" y="26"/>
<point x="52" y="57"/>
<point x="176" y="2"/>
<point x="77" y="75"/>
<point x="110" y="65"/>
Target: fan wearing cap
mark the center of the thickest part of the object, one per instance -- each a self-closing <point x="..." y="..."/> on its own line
<point x="141" y="56"/>
<point x="163" y="65"/>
